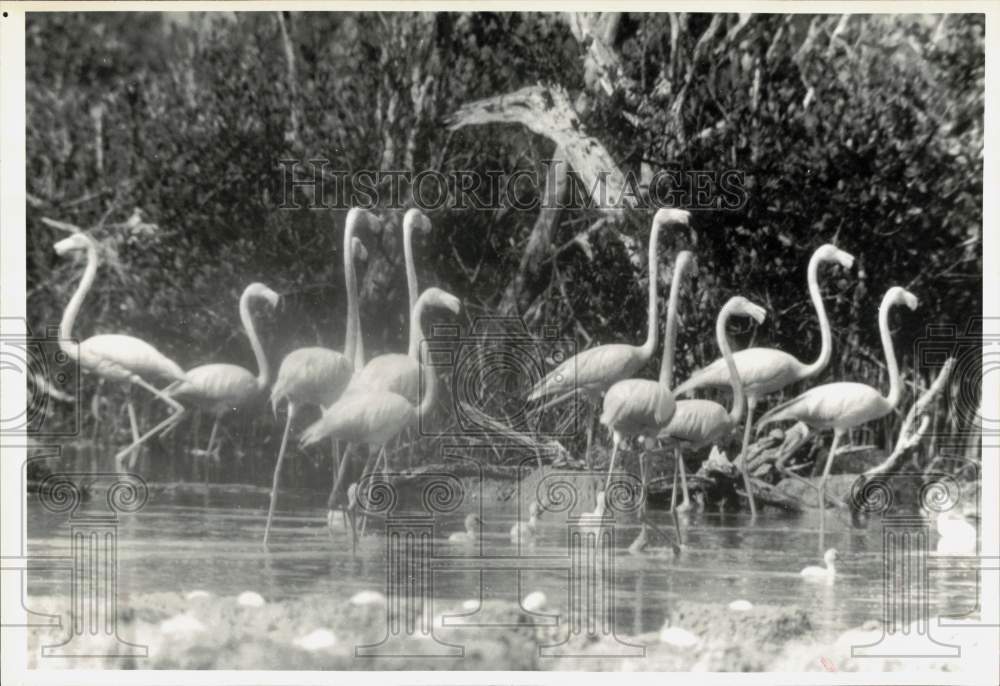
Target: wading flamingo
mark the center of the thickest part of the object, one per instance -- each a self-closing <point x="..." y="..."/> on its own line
<point x="698" y="423"/>
<point x="316" y="375"/>
<point x="375" y="417"/>
<point x="222" y="388"/>
<point x="634" y="407"/>
<point x="593" y="371"/>
<point x="844" y="405"/>
<point x="767" y="370"/>
<point x="115" y="356"/>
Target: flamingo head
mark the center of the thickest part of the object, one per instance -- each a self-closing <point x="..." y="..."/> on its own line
<point x="78" y="241"/>
<point x="259" y="290"/>
<point x="900" y="296"/>
<point x="830" y="556"/>
<point x="358" y="251"/>
<point x="740" y="305"/>
<point x="831" y="253"/>
<point x="472" y="523"/>
<point x="439" y="298"/>
<point x="670" y="215"/>
<point x="415" y="219"/>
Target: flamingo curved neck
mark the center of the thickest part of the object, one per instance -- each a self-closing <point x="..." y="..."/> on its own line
<point x="826" y="342"/>
<point x="667" y="363"/>
<point x="411" y="283"/>
<point x="721" y="337"/>
<point x="890" y="355"/>
<point x="652" y="331"/>
<point x="430" y="381"/>
<point x="353" y="343"/>
<point x="263" y="368"/>
<point x="73" y="307"/>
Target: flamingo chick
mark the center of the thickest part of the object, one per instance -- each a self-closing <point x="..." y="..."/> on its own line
<point x="526" y="530"/>
<point x="221" y="388"/>
<point x="826" y="573"/>
<point x="471" y="533"/>
<point x="958" y="537"/>
<point x="594" y="371"/>
<point x="767" y="370"/>
<point x="114" y="356"/>
<point x="843" y="405"/>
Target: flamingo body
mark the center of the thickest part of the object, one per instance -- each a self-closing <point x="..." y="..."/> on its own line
<point x="637" y="407"/>
<point x="592" y="371"/>
<point x="312" y="376"/>
<point x="119" y="357"/>
<point x="362" y="417"/>
<point x="839" y="405"/>
<point x="393" y="372"/>
<point x="218" y="388"/>
<point x="697" y="423"/>
<point x="762" y="370"/>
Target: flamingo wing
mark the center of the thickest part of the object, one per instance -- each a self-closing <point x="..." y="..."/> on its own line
<point x="118" y="357"/>
<point x="762" y="371"/>
<point x="221" y="385"/>
<point x="312" y="376"/>
<point x="838" y="405"/>
<point x="697" y="423"/>
<point x="637" y="406"/>
<point x="360" y="416"/>
<point x="592" y="370"/>
<point x="395" y="372"/>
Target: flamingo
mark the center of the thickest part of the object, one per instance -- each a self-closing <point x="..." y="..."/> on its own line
<point x="115" y="356"/>
<point x="315" y="375"/>
<point x="471" y="533"/>
<point x="842" y="406"/>
<point x="641" y="406"/>
<point x="767" y="370"/>
<point x="221" y="388"/>
<point x="826" y="573"/>
<point x="375" y="417"/>
<point x="698" y="423"/>
<point x="594" y="371"/>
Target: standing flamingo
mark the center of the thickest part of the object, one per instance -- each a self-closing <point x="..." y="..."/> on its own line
<point x="115" y="356"/>
<point x="844" y="405"/>
<point x="640" y="406"/>
<point x="594" y="371"/>
<point x="375" y="417"/>
<point x="315" y="375"/>
<point x="767" y="370"/>
<point x="221" y="388"/>
<point x="698" y="423"/>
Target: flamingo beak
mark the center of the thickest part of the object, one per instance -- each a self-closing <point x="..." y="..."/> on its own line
<point x="845" y="259"/>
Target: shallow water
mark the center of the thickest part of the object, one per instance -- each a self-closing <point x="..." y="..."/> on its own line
<point x="175" y="544"/>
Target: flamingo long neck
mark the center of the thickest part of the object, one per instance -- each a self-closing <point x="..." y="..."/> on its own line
<point x="826" y="339"/>
<point x="739" y="400"/>
<point x="890" y="355"/>
<point x="411" y="283"/>
<point x="430" y="379"/>
<point x="653" y="329"/>
<point x="667" y="364"/>
<point x="353" y="342"/>
<point x="73" y="308"/>
<point x="263" y="368"/>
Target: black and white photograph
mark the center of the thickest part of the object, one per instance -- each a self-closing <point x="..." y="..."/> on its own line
<point x="503" y="341"/>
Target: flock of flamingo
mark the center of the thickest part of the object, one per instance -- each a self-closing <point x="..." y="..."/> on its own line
<point x="373" y="403"/>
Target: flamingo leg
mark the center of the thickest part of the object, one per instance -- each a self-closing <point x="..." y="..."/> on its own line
<point x="686" y="503"/>
<point x="751" y="405"/>
<point x="134" y="425"/>
<point x="166" y="423"/>
<point x="611" y="467"/>
<point x="374" y="468"/>
<point x="209" y="455"/>
<point x="673" y="487"/>
<point x="336" y="474"/>
<point x="837" y="436"/>
<point x="277" y="472"/>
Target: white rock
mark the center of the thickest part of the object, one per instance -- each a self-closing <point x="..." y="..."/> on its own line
<point x="181" y="625"/>
<point x="741" y="606"/>
<point x="678" y="637"/>
<point x="368" y="598"/>
<point x="320" y="639"/>
<point x="250" y="599"/>
<point x="534" y="601"/>
<point x="197" y="595"/>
